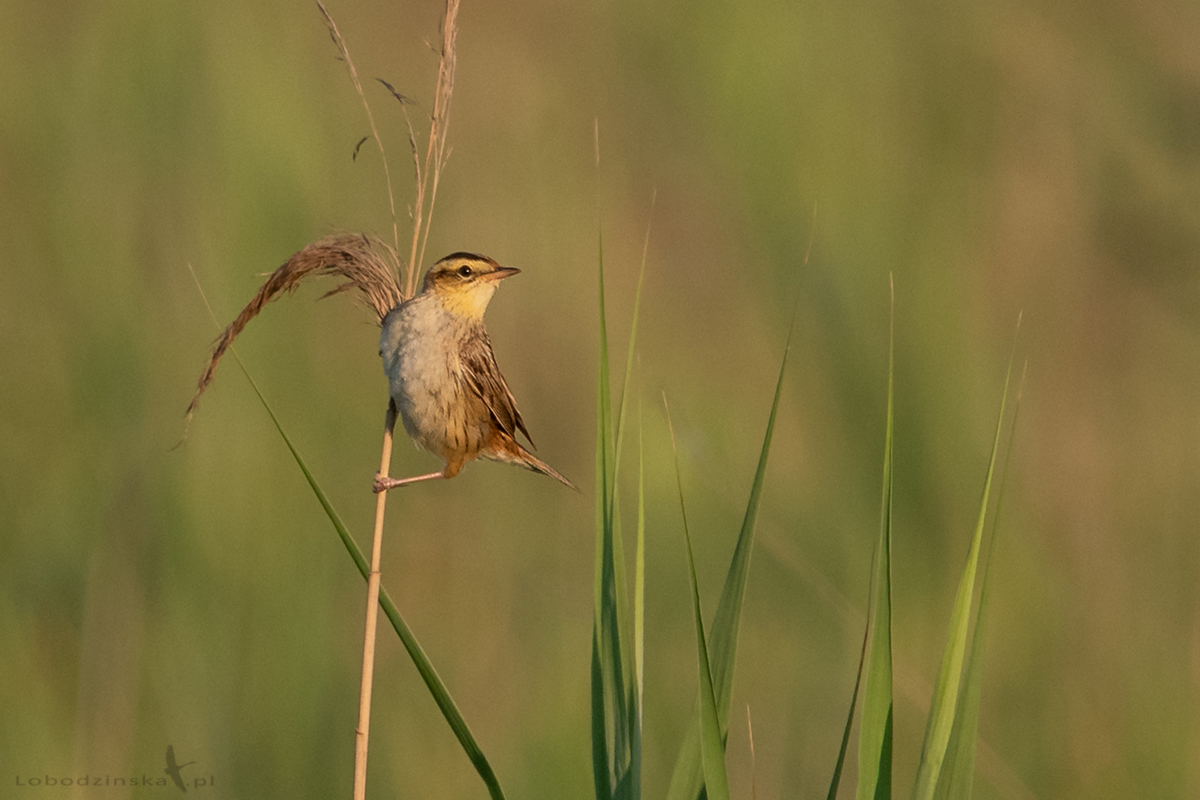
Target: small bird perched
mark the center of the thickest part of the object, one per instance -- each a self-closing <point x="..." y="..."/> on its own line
<point x="443" y="376"/>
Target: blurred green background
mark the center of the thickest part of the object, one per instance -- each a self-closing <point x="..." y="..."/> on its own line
<point x="992" y="157"/>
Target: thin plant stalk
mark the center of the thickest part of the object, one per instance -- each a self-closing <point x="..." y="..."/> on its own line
<point x="435" y="152"/>
<point x="362" y="732"/>
<point x="876" y="724"/>
<point x="712" y="743"/>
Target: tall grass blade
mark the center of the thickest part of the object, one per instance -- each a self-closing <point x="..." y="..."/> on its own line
<point x="875" y="732"/>
<point x="600" y="767"/>
<point x="959" y="767"/>
<point x="621" y="655"/>
<point x="639" y="615"/>
<point x="616" y="735"/>
<point x="637" y="308"/>
<point x="639" y="584"/>
<point x="628" y="650"/>
<point x="841" y="759"/>
<point x="627" y="725"/>
<point x="433" y="681"/>
<point x="712" y="740"/>
<point x="603" y="673"/>
<point x="945" y="695"/>
<point x="616" y="660"/>
<point x="687" y="779"/>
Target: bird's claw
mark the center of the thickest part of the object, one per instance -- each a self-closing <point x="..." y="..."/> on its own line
<point x="381" y="484"/>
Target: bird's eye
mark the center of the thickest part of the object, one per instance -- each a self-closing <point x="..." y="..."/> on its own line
<point x="464" y="271"/>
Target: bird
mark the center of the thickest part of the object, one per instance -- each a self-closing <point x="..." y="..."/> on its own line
<point x="443" y="379"/>
<point x="173" y="768"/>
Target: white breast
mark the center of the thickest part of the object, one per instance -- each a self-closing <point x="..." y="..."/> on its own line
<point x="420" y="358"/>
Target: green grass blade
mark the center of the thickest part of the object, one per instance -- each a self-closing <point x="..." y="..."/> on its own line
<point x="639" y="586"/>
<point x="875" y="732"/>
<point x="639" y="615"/>
<point x="619" y="649"/>
<point x="945" y="695"/>
<point x="841" y="759"/>
<point x="621" y="656"/>
<point x="631" y="713"/>
<point x="603" y="418"/>
<point x="600" y="768"/>
<point x="712" y="741"/>
<point x="616" y="711"/>
<point x="637" y="307"/>
<point x="627" y="732"/>
<point x="959" y="766"/>
<point x="686" y="780"/>
<point x="729" y="609"/>
<point x="602" y="669"/>
<point x="433" y="681"/>
<point x="624" y="788"/>
<point x="959" y="771"/>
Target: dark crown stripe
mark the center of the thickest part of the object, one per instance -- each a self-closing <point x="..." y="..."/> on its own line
<point x="474" y="256"/>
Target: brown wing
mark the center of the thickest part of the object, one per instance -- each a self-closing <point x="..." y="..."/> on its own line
<point x="484" y="378"/>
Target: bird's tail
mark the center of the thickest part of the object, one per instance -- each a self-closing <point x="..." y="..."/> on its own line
<point x="537" y="465"/>
<point x="366" y="263"/>
<point x="506" y="449"/>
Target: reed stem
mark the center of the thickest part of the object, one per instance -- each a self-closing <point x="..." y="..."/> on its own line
<point x="368" y="663"/>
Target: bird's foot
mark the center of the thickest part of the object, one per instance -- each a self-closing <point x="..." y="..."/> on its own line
<point x="383" y="483"/>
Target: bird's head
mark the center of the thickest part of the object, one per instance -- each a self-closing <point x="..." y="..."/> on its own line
<point x="465" y="282"/>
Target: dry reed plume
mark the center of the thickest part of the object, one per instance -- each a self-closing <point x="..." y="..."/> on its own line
<point x="361" y="259"/>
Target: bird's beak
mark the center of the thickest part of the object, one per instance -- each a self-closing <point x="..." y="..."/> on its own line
<point x="501" y="273"/>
